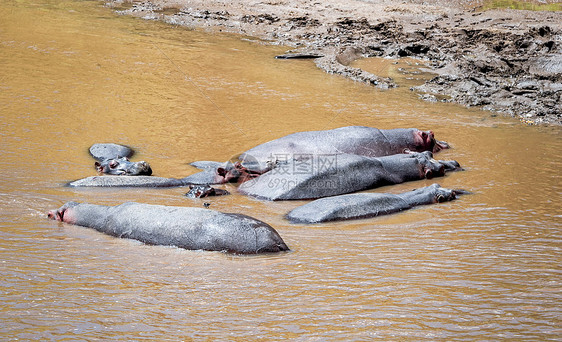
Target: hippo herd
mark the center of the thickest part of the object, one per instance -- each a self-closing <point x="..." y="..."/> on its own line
<point x="328" y="167"/>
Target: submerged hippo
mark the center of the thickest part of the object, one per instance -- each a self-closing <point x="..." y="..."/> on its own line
<point x="189" y="228"/>
<point x="202" y="191"/>
<point x="355" y="206"/>
<point x="123" y="166"/>
<point x="343" y="173"/>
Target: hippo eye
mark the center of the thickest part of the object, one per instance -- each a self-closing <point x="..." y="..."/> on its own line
<point x="113" y="164"/>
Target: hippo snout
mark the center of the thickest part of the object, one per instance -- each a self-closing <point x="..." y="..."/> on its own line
<point x="52" y="214"/>
<point x="434" y="171"/>
<point x="451" y="165"/>
<point x="145" y="168"/>
<point x="59" y="214"/>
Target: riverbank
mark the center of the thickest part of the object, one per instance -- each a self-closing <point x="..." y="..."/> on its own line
<point x="505" y="61"/>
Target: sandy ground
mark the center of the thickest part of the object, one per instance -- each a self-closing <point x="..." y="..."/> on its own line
<point x="506" y="61"/>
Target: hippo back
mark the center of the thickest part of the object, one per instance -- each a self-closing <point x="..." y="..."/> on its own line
<point x="345" y="207"/>
<point x="360" y="140"/>
<point x="192" y="228"/>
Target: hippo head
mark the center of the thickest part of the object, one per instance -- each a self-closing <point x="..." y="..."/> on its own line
<point x="123" y="166"/>
<point x="430" y="167"/>
<point x="229" y="172"/>
<point x="444" y="195"/>
<point x="241" y="170"/>
<point x="200" y="191"/>
<point x="425" y="141"/>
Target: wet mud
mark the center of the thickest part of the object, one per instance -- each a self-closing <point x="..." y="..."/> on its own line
<point x="506" y="61"/>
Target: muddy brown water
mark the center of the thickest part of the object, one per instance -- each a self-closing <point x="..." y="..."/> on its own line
<point x="484" y="267"/>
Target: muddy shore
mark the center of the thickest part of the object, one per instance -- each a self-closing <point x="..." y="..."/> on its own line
<point x="505" y="61"/>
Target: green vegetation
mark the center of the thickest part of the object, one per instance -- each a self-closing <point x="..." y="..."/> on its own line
<point x="522" y="5"/>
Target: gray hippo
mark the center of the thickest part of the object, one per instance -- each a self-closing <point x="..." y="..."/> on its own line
<point x="343" y="173"/>
<point x="109" y="151"/>
<point x="355" y="206"/>
<point x="184" y="227"/>
<point x="123" y="167"/>
<point x="359" y="140"/>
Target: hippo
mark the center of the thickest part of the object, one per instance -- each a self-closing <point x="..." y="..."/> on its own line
<point x="201" y="191"/>
<point x="184" y="227"/>
<point x="360" y="140"/>
<point x="102" y="152"/>
<point x="331" y="175"/>
<point x="364" y="205"/>
<point x="123" y="166"/>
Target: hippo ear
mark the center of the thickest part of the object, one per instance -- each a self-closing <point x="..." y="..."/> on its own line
<point x="60" y="215"/>
<point x="57" y="215"/>
<point x="98" y="166"/>
<point x="221" y="171"/>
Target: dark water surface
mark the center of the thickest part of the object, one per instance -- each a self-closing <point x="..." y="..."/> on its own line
<point x="484" y="267"/>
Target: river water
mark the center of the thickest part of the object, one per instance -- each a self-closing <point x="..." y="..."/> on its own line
<point x="484" y="267"/>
